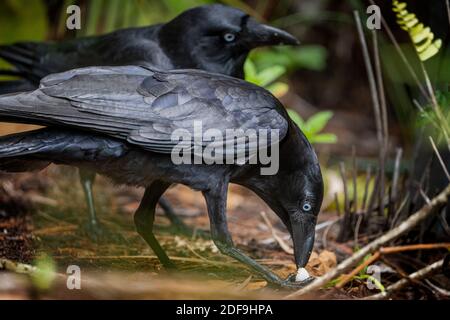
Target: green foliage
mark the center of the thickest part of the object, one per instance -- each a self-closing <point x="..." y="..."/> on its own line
<point x="22" y="20"/>
<point x="108" y="15"/>
<point x="267" y="77"/>
<point x="310" y="57"/>
<point x="427" y="115"/>
<point x="45" y="274"/>
<point x="314" y="125"/>
<point x="177" y="6"/>
<point x="421" y="36"/>
<point x="374" y="280"/>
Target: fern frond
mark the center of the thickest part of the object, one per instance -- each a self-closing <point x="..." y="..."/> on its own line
<point x="421" y="36"/>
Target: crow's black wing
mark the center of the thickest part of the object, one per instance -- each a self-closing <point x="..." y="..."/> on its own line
<point x="132" y="46"/>
<point x="146" y="107"/>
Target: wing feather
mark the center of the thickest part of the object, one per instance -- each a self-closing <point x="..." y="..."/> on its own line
<point x="145" y="107"/>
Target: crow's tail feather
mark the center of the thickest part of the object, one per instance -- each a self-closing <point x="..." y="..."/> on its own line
<point x="20" y="55"/>
<point x="22" y="165"/>
<point x="24" y="56"/>
<point x="35" y="150"/>
<point x="16" y="152"/>
<point x="15" y="86"/>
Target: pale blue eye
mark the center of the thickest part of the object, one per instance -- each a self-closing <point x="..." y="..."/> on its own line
<point x="307" y="207"/>
<point x="229" y="37"/>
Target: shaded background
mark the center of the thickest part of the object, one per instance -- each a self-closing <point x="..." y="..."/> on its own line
<point x="325" y="73"/>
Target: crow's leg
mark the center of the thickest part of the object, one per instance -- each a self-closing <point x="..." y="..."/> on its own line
<point x="145" y="216"/>
<point x="94" y="229"/>
<point x="172" y="216"/>
<point x="87" y="179"/>
<point x="177" y="222"/>
<point x="216" y="203"/>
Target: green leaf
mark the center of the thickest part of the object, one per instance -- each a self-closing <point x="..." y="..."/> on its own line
<point x="311" y="57"/>
<point x="324" y="138"/>
<point x="22" y="20"/>
<point x="278" y="89"/>
<point x="269" y="75"/>
<point x="250" y="72"/>
<point x="375" y="281"/>
<point x="296" y="118"/>
<point x="318" y="121"/>
<point x="45" y="274"/>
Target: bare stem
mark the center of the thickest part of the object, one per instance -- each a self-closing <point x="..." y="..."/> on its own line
<point x="438" y="155"/>
<point x="418" y="275"/>
<point x="373" y="246"/>
<point x="402" y="55"/>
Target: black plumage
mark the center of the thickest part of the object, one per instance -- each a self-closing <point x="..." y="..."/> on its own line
<point x="214" y="38"/>
<point x="117" y="121"/>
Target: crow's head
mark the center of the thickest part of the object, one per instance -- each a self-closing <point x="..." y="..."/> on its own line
<point x="295" y="193"/>
<point x="217" y="38"/>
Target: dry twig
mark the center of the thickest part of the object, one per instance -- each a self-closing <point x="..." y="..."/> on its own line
<point x="16" y="267"/>
<point x="389" y="250"/>
<point x="286" y="248"/>
<point x="402" y="228"/>
<point x="418" y="275"/>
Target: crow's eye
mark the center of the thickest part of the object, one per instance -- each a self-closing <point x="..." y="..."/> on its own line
<point x="229" y="37"/>
<point x="307" y="207"/>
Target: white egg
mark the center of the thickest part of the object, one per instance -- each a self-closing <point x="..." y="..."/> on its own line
<point x="302" y="275"/>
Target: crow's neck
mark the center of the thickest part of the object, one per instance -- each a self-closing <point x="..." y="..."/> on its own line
<point x="184" y="53"/>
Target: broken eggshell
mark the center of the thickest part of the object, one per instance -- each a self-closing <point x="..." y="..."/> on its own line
<point x="302" y="275"/>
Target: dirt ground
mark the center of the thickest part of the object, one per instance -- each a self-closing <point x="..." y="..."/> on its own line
<point x="45" y="213"/>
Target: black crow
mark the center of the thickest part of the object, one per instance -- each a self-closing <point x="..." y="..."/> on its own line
<point x="119" y="122"/>
<point x="214" y="38"/>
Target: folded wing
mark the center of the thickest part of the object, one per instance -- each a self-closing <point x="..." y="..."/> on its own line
<point x="145" y="107"/>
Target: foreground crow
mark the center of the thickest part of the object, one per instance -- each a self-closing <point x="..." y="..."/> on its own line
<point x="214" y="38"/>
<point x="118" y="121"/>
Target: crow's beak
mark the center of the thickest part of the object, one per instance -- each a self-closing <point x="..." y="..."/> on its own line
<point x="303" y="238"/>
<point x="259" y="35"/>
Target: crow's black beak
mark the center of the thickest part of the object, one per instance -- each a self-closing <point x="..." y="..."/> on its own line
<point x="303" y="238"/>
<point x="259" y="35"/>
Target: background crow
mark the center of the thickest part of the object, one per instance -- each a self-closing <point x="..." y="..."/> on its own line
<point x="121" y="120"/>
<point x="215" y="38"/>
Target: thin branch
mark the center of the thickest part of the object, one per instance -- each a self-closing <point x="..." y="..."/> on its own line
<point x="17" y="267"/>
<point x="344" y="183"/>
<point x="336" y="201"/>
<point x="402" y="55"/>
<point x="418" y="275"/>
<point x="366" y="188"/>
<point x="346" y="278"/>
<point x="389" y="250"/>
<point x="382" y="96"/>
<point x="437" y="109"/>
<point x="373" y="196"/>
<point x="373" y="246"/>
<point x="447" y="2"/>
<point x="398" y="157"/>
<point x="441" y="291"/>
<point x="376" y="104"/>
<point x="413" y="247"/>
<point x="357" y="227"/>
<point x="438" y="155"/>
<point x="354" y="178"/>
<point x="286" y="248"/>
